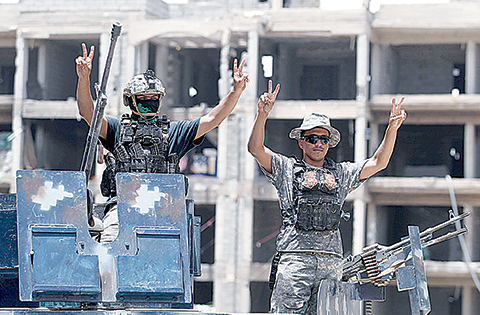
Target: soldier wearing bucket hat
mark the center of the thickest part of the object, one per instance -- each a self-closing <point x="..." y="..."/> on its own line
<point x="311" y="194"/>
<point x="316" y="120"/>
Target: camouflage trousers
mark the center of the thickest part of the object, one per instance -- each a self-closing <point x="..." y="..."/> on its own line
<point x="298" y="279"/>
<point x="110" y="226"/>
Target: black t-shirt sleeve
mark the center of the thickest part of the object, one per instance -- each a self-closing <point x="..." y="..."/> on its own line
<point x="113" y="133"/>
<point x="181" y="136"/>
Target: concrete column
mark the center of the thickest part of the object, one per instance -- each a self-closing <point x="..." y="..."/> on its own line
<point x="130" y="66"/>
<point x="362" y="66"/>
<point x="359" y="218"/>
<point x="233" y="231"/>
<point x="161" y="61"/>
<point x="277" y="4"/>
<point x="41" y="67"/>
<point x="469" y="145"/>
<point x="376" y="71"/>
<point x="250" y="94"/>
<point x="102" y="53"/>
<point x="141" y="57"/>
<point x="471" y="60"/>
<point x="472" y="224"/>
<point x="285" y="74"/>
<point x="467" y="296"/>
<point x="20" y="90"/>
<point x="234" y="208"/>
<point x="371" y="224"/>
<point x="225" y="80"/>
<point x="359" y="205"/>
<point x="374" y="137"/>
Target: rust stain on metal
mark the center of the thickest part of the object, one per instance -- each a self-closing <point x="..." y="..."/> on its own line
<point x="130" y="191"/>
<point x="172" y="207"/>
<point x="76" y="214"/>
<point x="33" y="186"/>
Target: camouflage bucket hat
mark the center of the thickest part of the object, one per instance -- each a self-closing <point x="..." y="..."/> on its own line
<point x="314" y="120"/>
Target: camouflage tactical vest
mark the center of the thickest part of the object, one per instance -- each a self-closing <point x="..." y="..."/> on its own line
<point x="316" y="196"/>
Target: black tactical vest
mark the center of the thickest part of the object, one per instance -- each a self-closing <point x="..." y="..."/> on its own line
<point x="141" y="148"/>
<point x="317" y="199"/>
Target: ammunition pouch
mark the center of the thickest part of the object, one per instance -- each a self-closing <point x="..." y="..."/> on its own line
<point x="321" y="214"/>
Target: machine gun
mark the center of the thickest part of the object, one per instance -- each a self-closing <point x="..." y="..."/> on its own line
<point x="96" y="123"/>
<point x="377" y="264"/>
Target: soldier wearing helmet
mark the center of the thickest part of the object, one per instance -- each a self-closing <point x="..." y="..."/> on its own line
<point x="144" y="141"/>
<point x="143" y="94"/>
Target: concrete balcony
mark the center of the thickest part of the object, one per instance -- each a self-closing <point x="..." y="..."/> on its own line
<point x="430" y="108"/>
<point x="413" y="191"/>
<point x="50" y="109"/>
<point x="335" y="109"/>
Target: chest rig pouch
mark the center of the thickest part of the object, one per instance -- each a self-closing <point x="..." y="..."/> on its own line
<point x="317" y="198"/>
<point x="142" y="148"/>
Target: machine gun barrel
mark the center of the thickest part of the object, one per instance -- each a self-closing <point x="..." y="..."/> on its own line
<point x="429" y="231"/>
<point x="355" y="264"/>
<point x="101" y="102"/>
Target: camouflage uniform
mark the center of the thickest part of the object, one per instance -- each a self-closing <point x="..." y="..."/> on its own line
<point x="299" y="274"/>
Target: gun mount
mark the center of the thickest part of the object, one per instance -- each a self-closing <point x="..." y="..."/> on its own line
<point x="377" y="263"/>
<point x="151" y="264"/>
<point x="366" y="275"/>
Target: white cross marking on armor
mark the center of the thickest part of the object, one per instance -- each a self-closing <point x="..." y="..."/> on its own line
<point x="146" y="198"/>
<point x="48" y="196"/>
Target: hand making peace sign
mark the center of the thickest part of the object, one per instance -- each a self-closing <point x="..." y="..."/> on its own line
<point x="397" y="114"/>
<point x="84" y="63"/>
<point x="267" y="99"/>
<point x="240" y="79"/>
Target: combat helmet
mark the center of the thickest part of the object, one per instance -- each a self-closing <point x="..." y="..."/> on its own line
<point x="142" y="84"/>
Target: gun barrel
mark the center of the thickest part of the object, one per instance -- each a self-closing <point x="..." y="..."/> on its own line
<point x="355" y="264"/>
<point x="446" y="223"/>
<point x="428" y="231"/>
<point x="116" y="29"/>
<point x="444" y="237"/>
<point x="96" y="123"/>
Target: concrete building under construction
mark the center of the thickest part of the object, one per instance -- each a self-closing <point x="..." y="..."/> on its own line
<point x="345" y="63"/>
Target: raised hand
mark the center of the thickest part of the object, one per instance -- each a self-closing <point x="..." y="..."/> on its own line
<point x="240" y="79"/>
<point x="267" y="99"/>
<point x="397" y="114"/>
<point x="84" y="62"/>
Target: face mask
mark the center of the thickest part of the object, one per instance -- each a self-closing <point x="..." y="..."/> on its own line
<point x="148" y="106"/>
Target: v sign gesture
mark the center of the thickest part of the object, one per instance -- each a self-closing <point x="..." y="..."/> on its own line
<point x="267" y="99"/>
<point x="84" y="63"/>
<point x="381" y="157"/>
<point x="397" y="114"/>
<point x="255" y="144"/>
<point x="240" y="79"/>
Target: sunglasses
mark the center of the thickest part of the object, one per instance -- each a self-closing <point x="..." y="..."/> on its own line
<point x="314" y="138"/>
